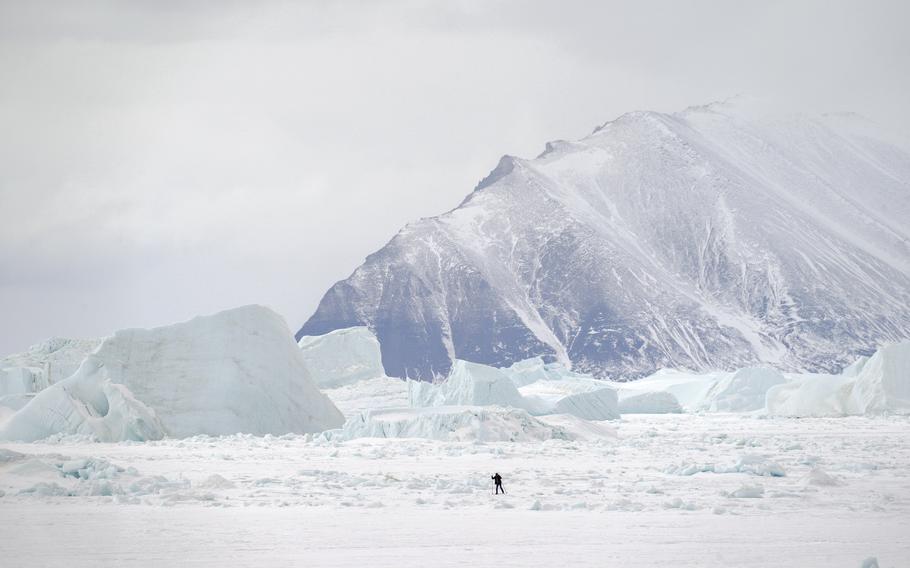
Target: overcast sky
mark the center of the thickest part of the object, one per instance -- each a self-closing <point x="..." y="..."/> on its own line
<point x="160" y="160"/>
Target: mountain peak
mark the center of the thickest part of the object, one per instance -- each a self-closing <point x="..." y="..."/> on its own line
<point x="503" y="168"/>
<point x="711" y="238"/>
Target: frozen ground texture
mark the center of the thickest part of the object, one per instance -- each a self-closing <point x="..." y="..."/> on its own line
<point x="670" y="490"/>
<point x="718" y="237"/>
<point x="235" y="371"/>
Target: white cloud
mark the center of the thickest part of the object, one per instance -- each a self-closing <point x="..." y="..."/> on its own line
<point x="165" y="159"/>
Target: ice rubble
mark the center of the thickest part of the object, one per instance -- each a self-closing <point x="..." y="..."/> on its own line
<point x="62" y="476"/>
<point x="465" y="424"/>
<point x="342" y="357"/>
<point x="234" y="371"/>
<point x="556" y="391"/>
<point x="875" y="385"/>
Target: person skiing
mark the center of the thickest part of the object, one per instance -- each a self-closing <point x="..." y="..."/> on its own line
<point x="497" y="480"/>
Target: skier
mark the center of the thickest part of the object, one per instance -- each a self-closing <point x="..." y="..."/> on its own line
<point x="497" y="480"/>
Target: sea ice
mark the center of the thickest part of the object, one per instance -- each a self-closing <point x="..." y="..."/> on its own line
<point x="467" y="384"/>
<point x="236" y="371"/>
<point x="342" y="357"/>
<point x="648" y="403"/>
<point x="451" y="423"/>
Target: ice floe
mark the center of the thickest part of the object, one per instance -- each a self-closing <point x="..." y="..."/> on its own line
<point x="236" y="371"/>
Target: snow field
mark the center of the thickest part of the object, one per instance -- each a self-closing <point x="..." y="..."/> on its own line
<point x="790" y="477"/>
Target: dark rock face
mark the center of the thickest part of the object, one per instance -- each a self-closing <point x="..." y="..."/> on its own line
<point x="704" y="239"/>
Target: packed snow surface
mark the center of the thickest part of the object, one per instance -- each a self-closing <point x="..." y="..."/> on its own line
<point x="235" y="371"/>
<point x="666" y="491"/>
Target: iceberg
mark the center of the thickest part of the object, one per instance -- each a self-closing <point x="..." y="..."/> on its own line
<point x="742" y="391"/>
<point x="85" y="404"/>
<point x="877" y="385"/>
<point x="467" y="384"/>
<point x="237" y="371"/>
<point x="342" y="357"/>
<point x="649" y="403"/>
<point x="463" y="424"/>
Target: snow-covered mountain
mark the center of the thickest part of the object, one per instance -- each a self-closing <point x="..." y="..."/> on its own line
<point x="716" y="237"/>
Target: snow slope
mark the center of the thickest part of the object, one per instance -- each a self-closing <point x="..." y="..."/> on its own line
<point x="667" y="491"/>
<point x="713" y="238"/>
<point x="234" y="371"/>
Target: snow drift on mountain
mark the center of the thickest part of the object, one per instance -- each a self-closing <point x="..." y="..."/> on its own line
<point x="713" y="238"/>
<point x="235" y="371"/>
<point x="342" y="357"/>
